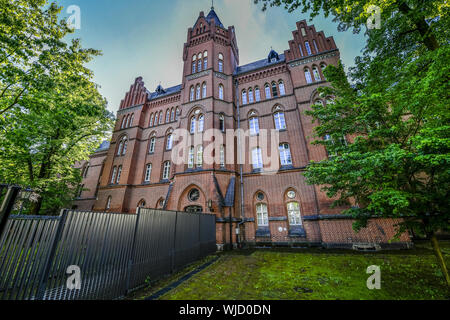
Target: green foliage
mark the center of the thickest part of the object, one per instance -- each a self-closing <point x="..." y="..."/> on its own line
<point x="51" y="113"/>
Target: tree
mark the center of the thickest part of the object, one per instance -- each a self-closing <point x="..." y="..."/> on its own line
<point x="393" y="108"/>
<point x="52" y="114"/>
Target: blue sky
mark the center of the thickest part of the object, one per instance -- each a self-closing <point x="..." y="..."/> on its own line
<point x="145" y="37"/>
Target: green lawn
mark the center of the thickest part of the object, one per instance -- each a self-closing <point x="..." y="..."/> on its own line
<point x="312" y="274"/>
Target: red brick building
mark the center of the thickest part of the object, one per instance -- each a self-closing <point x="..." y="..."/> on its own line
<point x="278" y="207"/>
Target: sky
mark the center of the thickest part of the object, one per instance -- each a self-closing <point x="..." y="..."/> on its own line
<point x="146" y="37"/>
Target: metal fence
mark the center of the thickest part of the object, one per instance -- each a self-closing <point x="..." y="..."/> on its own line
<point x="115" y="253"/>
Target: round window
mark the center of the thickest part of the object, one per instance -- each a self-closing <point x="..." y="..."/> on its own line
<point x="260" y="196"/>
<point x="291" y="194"/>
<point x="194" y="195"/>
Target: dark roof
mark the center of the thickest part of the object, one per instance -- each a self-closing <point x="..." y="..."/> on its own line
<point x="229" y="197"/>
<point x="258" y="65"/>
<point x="103" y="147"/>
<point x="273" y="55"/>
<point x="160" y="92"/>
<point x="212" y="15"/>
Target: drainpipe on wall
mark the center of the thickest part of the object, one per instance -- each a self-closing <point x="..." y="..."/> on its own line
<point x="240" y="163"/>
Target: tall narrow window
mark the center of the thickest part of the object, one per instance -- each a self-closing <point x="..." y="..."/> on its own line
<point x="285" y="154"/>
<point x="244" y="97"/>
<point x="262" y="215"/>
<point x="148" y="172"/>
<point x="169" y="142"/>
<point x="108" y="203"/>
<point x="222" y="123"/>
<point x="119" y="150"/>
<point x="119" y="174"/>
<point x="267" y="91"/>
<point x="191" y="97"/>
<point x="151" y="120"/>
<point x="201" y="123"/>
<point x="177" y="114"/>
<point x="316" y="74"/>
<point x="194" y="63"/>
<point x="301" y="50"/>
<point x="308" y="76"/>
<point x="204" y="91"/>
<point x="250" y="95"/>
<point x="199" y="156"/>
<point x="152" y="145"/>
<point x="156" y="119"/>
<point x="128" y="121"/>
<point x="294" y="215"/>
<point x="315" y="46"/>
<point x="192" y="129"/>
<point x="125" y="145"/>
<point x="222" y="156"/>
<point x="205" y="60"/>
<point x="191" y="158"/>
<point x="197" y="96"/>
<point x="167" y="116"/>
<point x="123" y="122"/>
<point x="257" y="158"/>
<point x="161" y="117"/>
<point x="274" y="89"/>
<point x="200" y="64"/>
<point x="172" y="115"/>
<point x="282" y="88"/>
<point x="166" y="171"/>
<point x="113" y="176"/>
<point x="221" y="92"/>
<point x="280" y="122"/>
<point x="220" y="62"/>
<point x="254" y="126"/>
<point x="308" y="48"/>
<point x="131" y="120"/>
<point x="257" y="94"/>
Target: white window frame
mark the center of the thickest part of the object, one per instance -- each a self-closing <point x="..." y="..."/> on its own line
<point x="148" y="172"/>
<point x="262" y="215"/>
<point x="166" y="171"/>
<point x="294" y="213"/>
<point x="253" y="124"/>
<point x="280" y="120"/>
<point x="257" y="162"/>
<point x="285" y="154"/>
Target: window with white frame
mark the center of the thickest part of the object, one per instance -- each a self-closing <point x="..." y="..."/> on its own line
<point x="254" y="125"/>
<point x="151" y="148"/>
<point x="113" y="176"/>
<point x="172" y="115"/>
<point x="274" y="89"/>
<point x="250" y="95"/>
<point x="295" y="218"/>
<point x="267" y="91"/>
<point x="199" y="156"/>
<point x="257" y="94"/>
<point x="161" y="119"/>
<point x="282" y="88"/>
<point x="191" y="96"/>
<point x="191" y="158"/>
<point x="201" y="123"/>
<point x="221" y="92"/>
<point x="257" y="158"/>
<point x="169" y="142"/>
<point x="167" y="116"/>
<point x="166" y="171"/>
<point x="222" y="122"/>
<point x="125" y="145"/>
<point x="192" y="125"/>
<point x="151" y="120"/>
<point x="280" y="122"/>
<point x="220" y="62"/>
<point x="131" y="120"/>
<point x="222" y="156"/>
<point x="316" y="74"/>
<point x="244" y="97"/>
<point x="262" y="215"/>
<point x="148" y="172"/>
<point x="308" y="76"/>
<point x="204" y="91"/>
<point x="285" y="154"/>
<point x="197" y="96"/>
<point x="194" y="64"/>
<point x="119" y="174"/>
<point x="156" y="119"/>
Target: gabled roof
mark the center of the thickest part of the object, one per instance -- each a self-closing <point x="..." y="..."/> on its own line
<point x="212" y="15"/>
<point x="159" y="93"/>
<point x="258" y="65"/>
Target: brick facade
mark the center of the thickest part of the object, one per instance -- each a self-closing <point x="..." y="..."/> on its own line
<point x="219" y="186"/>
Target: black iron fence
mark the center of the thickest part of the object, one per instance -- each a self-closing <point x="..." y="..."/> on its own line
<point x="103" y="255"/>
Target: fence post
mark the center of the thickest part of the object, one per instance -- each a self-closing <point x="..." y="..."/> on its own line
<point x="172" y="267"/>
<point x="7" y="206"/>
<point x="51" y="255"/>
<point x="133" y="252"/>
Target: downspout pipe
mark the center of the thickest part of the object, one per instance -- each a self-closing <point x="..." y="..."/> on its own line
<point x="240" y="161"/>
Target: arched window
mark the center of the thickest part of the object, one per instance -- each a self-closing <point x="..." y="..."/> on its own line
<point x="161" y="117"/>
<point x="172" y="115"/>
<point x="295" y="218"/>
<point x="169" y="142"/>
<point x="201" y="123"/>
<point x="191" y="97"/>
<point x="131" y="120"/>
<point x="205" y="60"/>
<point x="257" y="159"/>
<point x="250" y="95"/>
<point x="151" y="148"/>
<point x="301" y="50"/>
<point x="151" y="120"/>
<point x="316" y="74"/>
<point x="141" y="204"/>
<point x="220" y="92"/>
<point x="308" y="48"/>
<point x="267" y="91"/>
<point x="274" y="89"/>
<point x="191" y="158"/>
<point x="204" y="90"/>
<point x="119" y="174"/>
<point x="156" y="119"/>
<point x="197" y="96"/>
<point x="303" y="31"/>
<point x="166" y="171"/>
<point x="222" y="122"/>
<point x="280" y="122"/>
<point x="315" y="46"/>
<point x="123" y="122"/>
<point x="220" y="62"/>
<point x="167" y="116"/>
<point x="254" y="125"/>
<point x="285" y="154"/>
<point x="108" y="203"/>
<point x="199" y="156"/>
<point x="194" y="64"/>
<point x="257" y="94"/>
<point x="282" y="88"/>
<point x="308" y="76"/>
<point x="119" y="150"/>
<point x="148" y="172"/>
<point x="125" y="145"/>
<point x="122" y="150"/>
<point x="262" y="215"/>
<point x="200" y="62"/>
<point x="244" y="97"/>
<point x="323" y="66"/>
<point x="113" y="176"/>
<point x="177" y="114"/>
<point x="128" y="121"/>
<point x="222" y="156"/>
<point x="193" y="121"/>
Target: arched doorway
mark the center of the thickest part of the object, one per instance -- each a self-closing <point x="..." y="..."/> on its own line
<point x="193" y="209"/>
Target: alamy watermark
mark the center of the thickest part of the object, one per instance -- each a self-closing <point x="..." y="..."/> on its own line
<point x="374" y="281"/>
<point x="74" y="279"/>
<point x="74" y="20"/>
<point x="374" y="21"/>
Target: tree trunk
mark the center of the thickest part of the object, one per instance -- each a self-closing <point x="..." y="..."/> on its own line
<point x="438" y="253"/>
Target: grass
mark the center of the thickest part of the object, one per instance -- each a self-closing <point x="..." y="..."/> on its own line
<point x="306" y="274"/>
